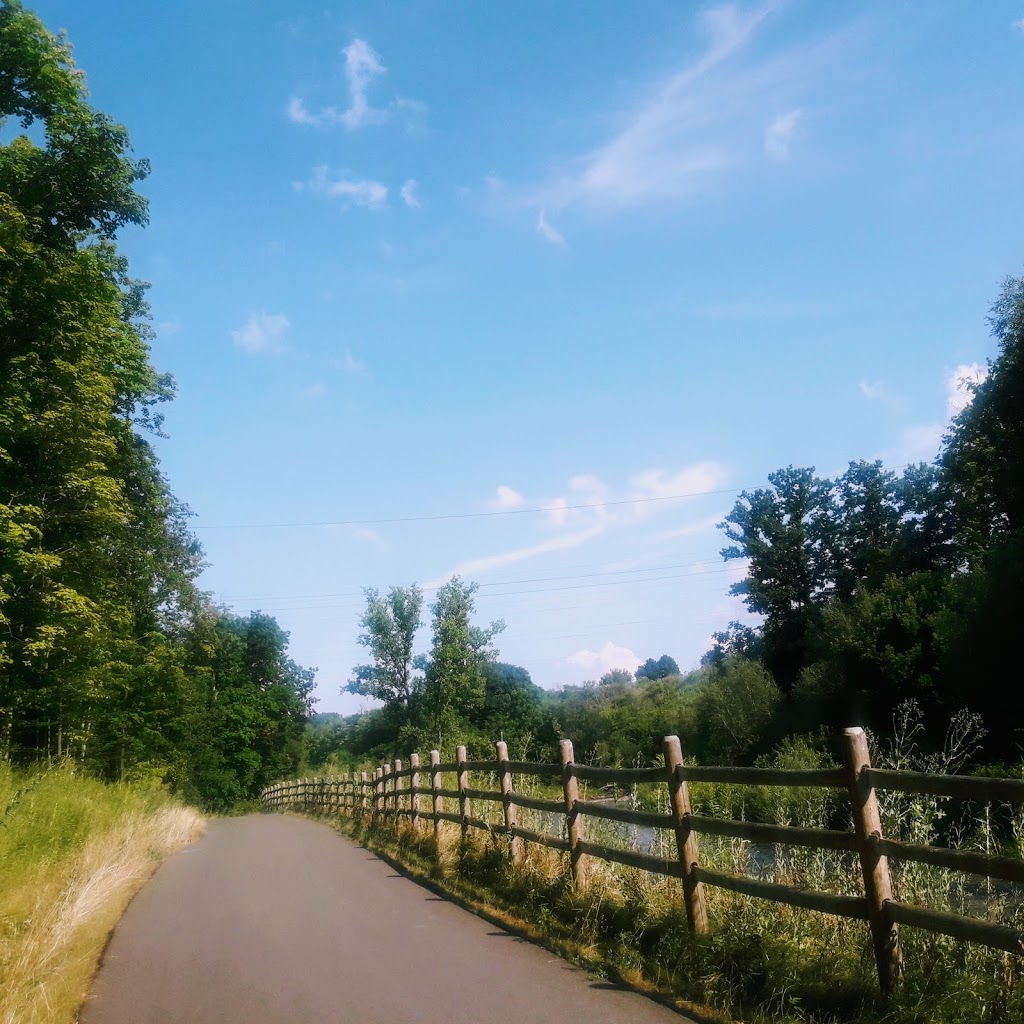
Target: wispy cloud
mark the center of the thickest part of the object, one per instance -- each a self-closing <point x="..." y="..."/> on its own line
<point x="367" y="536"/>
<point x="779" y="135"/>
<point x="317" y="390"/>
<point x="547" y="232"/>
<point x="609" y="657"/>
<point x="919" y="443"/>
<point x="1018" y="25"/>
<point x="506" y="498"/>
<point x="408" y="194"/>
<point x="348" y="363"/>
<point x="364" y="192"/>
<point x="958" y="392"/>
<point x="691" y="529"/>
<point x="563" y="541"/>
<point x="362" y="66"/>
<point x="878" y="391"/>
<point x="590" y="508"/>
<point x="701" y="122"/>
<point x="262" y="332"/>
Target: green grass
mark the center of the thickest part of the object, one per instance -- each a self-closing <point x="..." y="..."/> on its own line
<point x="762" y="962"/>
<point x="73" y="851"/>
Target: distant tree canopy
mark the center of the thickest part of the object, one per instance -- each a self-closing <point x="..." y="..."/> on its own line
<point x="108" y="651"/>
<point x="664" y="666"/>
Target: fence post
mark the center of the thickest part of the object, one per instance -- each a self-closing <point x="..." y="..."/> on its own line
<point x="464" y="807"/>
<point x="414" y="797"/>
<point x="398" y="791"/>
<point x="384" y="786"/>
<point x="686" y="838"/>
<point x="363" y="798"/>
<point x="435" y="799"/>
<point x="867" y="823"/>
<point x="505" y="781"/>
<point x="573" y="819"/>
<point x="378" y="774"/>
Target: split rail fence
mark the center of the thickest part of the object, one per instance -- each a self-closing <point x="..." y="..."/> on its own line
<point x="395" y="791"/>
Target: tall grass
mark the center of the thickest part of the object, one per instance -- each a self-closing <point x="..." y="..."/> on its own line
<point x="73" y="851"/>
<point x="762" y="961"/>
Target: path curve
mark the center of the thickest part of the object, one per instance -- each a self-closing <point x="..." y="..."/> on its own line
<point x="274" y="919"/>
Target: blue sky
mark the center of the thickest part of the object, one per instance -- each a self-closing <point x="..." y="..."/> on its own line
<point x="444" y="259"/>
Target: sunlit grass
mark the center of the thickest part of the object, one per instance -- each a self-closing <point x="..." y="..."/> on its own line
<point x="73" y="852"/>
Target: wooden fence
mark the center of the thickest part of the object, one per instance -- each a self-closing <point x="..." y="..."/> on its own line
<point x="395" y="791"/>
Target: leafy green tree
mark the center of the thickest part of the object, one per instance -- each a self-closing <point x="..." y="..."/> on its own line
<point x="735" y="707"/>
<point x="453" y="684"/>
<point x="785" y="533"/>
<point x="389" y="626"/>
<point x="511" y="708"/>
<point x="983" y="457"/>
<point x="664" y="666"/>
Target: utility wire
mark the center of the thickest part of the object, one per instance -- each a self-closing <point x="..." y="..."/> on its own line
<point x="466" y="515"/>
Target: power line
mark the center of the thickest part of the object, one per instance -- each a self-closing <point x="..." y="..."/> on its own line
<point x="496" y="583"/>
<point x="466" y="515"/>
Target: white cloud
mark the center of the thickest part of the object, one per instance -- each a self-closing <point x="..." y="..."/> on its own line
<point x="609" y="657"/>
<point x="262" y="332"/>
<point x="692" y="529"/>
<point x="703" y="121"/>
<point x="873" y="390"/>
<point x="547" y="232"/>
<point x="507" y="498"/>
<point x="671" y="144"/>
<point x="918" y="443"/>
<point x="371" y="195"/>
<point x="474" y="566"/>
<point x="958" y="395"/>
<point x="1018" y="25"/>
<point x="348" y="363"/>
<point x="298" y="113"/>
<point x="408" y="194"/>
<point x="877" y="391"/>
<point x="779" y="135"/>
<point x="368" y="536"/>
<point x="362" y="67"/>
<point x="694" y="480"/>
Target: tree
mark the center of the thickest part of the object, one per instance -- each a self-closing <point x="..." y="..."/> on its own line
<point x="453" y="683"/>
<point x="983" y="457"/>
<point x="785" y="532"/>
<point x="93" y="551"/>
<point x="735" y="707"/>
<point x="664" y="666"/>
<point x="389" y="631"/>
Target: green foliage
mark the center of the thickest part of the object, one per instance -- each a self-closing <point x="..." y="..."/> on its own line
<point x="107" y="649"/>
<point x="389" y="631"/>
<point x="658" y="669"/>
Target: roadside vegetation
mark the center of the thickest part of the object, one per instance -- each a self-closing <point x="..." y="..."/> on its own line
<point x="762" y="962"/>
<point x="73" y="852"/>
<point x="109" y="651"/>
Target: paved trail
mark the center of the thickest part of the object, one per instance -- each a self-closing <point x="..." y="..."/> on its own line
<point x="279" y="920"/>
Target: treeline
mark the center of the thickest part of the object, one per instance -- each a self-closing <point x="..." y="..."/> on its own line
<point x="876" y="588"/>
<point x="109" y="653"/>
<point x="879" y="594"/>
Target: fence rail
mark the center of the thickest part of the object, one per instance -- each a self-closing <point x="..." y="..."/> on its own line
<point x="385" y="795"/>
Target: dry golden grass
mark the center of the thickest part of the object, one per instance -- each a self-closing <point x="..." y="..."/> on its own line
<point x="60" y="898"/>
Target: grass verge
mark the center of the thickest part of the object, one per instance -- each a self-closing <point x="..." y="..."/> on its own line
<point x="762" y="963"/>
<point x="73" y="852"/>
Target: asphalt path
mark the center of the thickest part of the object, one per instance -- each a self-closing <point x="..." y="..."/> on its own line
<point x="276" y="919"/>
